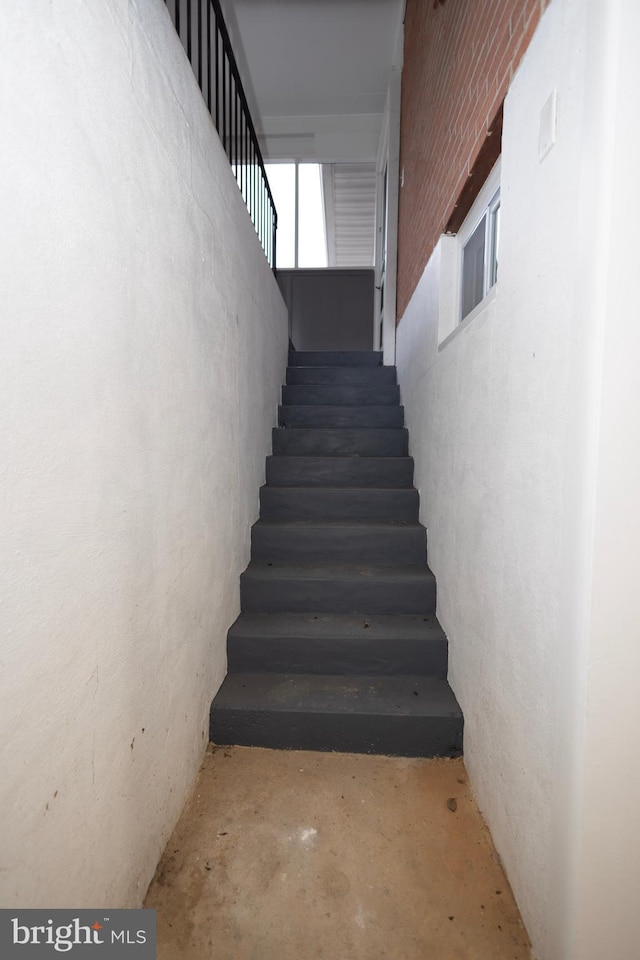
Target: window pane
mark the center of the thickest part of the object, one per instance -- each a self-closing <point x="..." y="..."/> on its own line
<point x="312" y="244"/>
<point x="282" y="180"/>
<point x="495" y="240"/>
<point x="473" y="269"/>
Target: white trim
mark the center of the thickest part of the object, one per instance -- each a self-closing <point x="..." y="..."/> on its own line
<point x="477" y="311"/>
<point x="329" y="207"/>
<point x="389" y="156"/>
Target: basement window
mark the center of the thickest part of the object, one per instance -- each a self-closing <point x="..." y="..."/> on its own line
<point x="479" y="238"/>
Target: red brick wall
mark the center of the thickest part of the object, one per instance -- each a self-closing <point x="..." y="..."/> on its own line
<point x="459" y="58"/>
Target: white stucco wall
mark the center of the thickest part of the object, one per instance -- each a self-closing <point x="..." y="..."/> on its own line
<point x="144" y="341"/>
<point x="606" y="919"/>
<point x="520" y="442"/>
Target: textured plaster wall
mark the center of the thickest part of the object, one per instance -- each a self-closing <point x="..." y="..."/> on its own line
<point x="144" y="340"/>
<point x="606" y="920"/>
<point x="491" y="424"/>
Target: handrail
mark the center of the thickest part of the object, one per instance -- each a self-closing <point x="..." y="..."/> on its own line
<point x="201" y="28"/>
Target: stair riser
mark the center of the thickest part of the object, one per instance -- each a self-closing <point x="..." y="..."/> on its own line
<point x="337" y="471"/>
<point x="343" y="503"/>
<point x="390" y="736"/>
<point x="329" y="655"/>
<point x="334" y="358"/>
<point x="345" y="395"/>
<point x="352" y="376"/>
<point x="402" y="546"/>
<point x="342" y="417"/>
<point x="338" y="596"/>
<point x="354" y="443"/>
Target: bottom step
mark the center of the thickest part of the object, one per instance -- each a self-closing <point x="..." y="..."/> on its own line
<point x="395" y="716"/>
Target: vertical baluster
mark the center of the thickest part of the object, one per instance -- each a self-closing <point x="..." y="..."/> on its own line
<point x="216" y="37"/>
<point x="253" y="184"/>
<point x="262" y="214"/>
<point x="235" y="126"/>
<point x="255" y="189"/>
<point x="224" y="101"/>
<point x="234" y="119"/>
<point x="248" y="150"/>
<point x="199" y="29"/>
<point x="243" y="175"/>
<point x="274" y="259"/>
<point x="238" y="144"/>
<point x="189" y="30"/>
<point x="260" y="211"/>
<point x="250" y="164"/>
<point x="239" y="130"/>
<point x="230" y="112"/>
<point x="246" y="160"/>
<point x="208" y="28"/>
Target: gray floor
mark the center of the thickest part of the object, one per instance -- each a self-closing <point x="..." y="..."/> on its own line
<point x="294" y="856"/>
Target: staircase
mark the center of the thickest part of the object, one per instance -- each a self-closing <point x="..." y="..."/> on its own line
<point x="337" y="646"/>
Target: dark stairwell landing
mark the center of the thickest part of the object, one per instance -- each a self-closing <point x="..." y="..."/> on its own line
<point x="337" y="646"/>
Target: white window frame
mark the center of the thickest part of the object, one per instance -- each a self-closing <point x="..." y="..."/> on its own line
<point x="452" y="248"/>
<point x="486" y="205"/>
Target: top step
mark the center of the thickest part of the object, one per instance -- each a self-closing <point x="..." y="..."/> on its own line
<point x="335" y="358"/>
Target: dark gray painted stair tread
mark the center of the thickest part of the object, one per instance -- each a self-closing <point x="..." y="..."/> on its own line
<point x="341" y="442"/>
<point x="336" y="571"/>
<point x="316" y="693"/>
<point x="341" y="417"/>
<point x="346" y="626"/>
<point x="337" y="588"/>
<point x="338" y="541"/>
<point x="375" y="526"/>
<point x="339" y="503"/>
<point x="335" y="358"/>
<point x="381" y="472"/>
<point x="352" y="376"/>
<point x="341" y="489"/>
<point x="329" y="644"/>
<point x="396" y="716"/>
<point x="340" y="394"/>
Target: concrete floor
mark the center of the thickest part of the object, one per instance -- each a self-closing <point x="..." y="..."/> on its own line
<point x="296" y="856"/>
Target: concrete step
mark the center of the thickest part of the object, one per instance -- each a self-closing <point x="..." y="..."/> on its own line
<point x="339" y="471"/>
<point x="340" y="417"/>
<point x="339" y="503"/>
<point x="332" y="395"/>
<point x="397" y="716"/>
<point x="335" y="358"/>
<point x="340" y="442"/>
<point x="352" y="376"/>
<point x="320" y="541"/>
<point x="348" y="644"/>
<point x="337" y="588"/>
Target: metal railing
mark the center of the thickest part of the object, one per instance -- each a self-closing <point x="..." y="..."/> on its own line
<point x="204" y="36"/>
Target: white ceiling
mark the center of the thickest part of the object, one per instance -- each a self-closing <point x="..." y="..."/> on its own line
<point x="316" y="70"/>
<point x="318" y="57"/>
